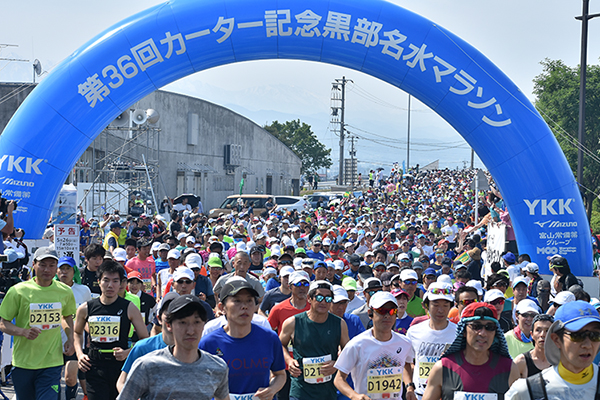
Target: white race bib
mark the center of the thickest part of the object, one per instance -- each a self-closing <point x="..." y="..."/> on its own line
<point x="475" y="396"/>
<point x="248" y="396"/>
<point x="384" y="383"/>
<point x="311" y="369"/>
<point x="426" y="363"/>
<point x="45" y="315"/>
<point x="104" y="328"/>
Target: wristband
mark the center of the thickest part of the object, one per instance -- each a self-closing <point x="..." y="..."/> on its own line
<point x="411" y="385"/>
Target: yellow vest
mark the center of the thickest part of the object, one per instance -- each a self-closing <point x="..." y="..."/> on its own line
<point x="109" y="235"/>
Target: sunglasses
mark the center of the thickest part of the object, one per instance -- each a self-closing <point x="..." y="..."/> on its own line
<point x="300" y="284"/>
<point x="184" y="282"/>
<point x="479" y="326"/>
<point x="497" y="302"/>
<point x="441" y="291"/>
<point x="320" y="298"/>
<point x="528" y="315"/>
<point x="410" y="282"/>
<point x="467" y="302"/>
<point x="285" y="262"/>
<point x="372" y="292"/>
<point x="386" y="311"/>
<point x="578" y="337"/>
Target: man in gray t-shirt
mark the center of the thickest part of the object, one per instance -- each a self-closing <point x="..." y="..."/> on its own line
<point x="172" y="372"/>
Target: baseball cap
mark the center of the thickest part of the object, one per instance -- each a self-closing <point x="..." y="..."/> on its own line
<point x="234" y="286"/>
<point x="519" y="279"/>
<point x="269" y="271"/>
<point x="403" y="257"/>
<point x="298" y="276"/>
<point x="509" y="258"/>
<point x="66" y="261"/>
<point x="440" y="291"/>
<point x="407" y="274"/>
<point x="365" y="272"/>
<point x="164" y="300"/>
<point x="190" y="239"/>
<point x="380" y="299"/>
<point x="120" y="254"/>
<point x="181" y="235"/>
<point x="183" y="272"/>
<point x="372" y="283"/>
<point x="572" y="316"/>
<point x="134" y="275"/>
<point x="532" y="267"/>
<point x="339" y="294"/>
<point x="564" y="297"/>
<point x="174" y="253"/>
<point x="320" y="264"/>
<point x="45" y="252"/>
<point x="338" y="265"/>
<point x="187" y="300"/>
<point x="417" y="265"/>
<point x="115" y="225"/>
<point x="477" y="285"/>
<point x="559" y="261"/>
<point x="164" y="246"/>
<point x="492" y="295"/>
<point x="349" y="283"/>
<point x="378" y="264"/>
<point x="320" y="285"/>
<point x="155" y="246"/>
<point x="354" y="259"/>
<point x="286" y="271"/>
<point x="430" y="271"/>
<point x="214" y="261"/>
<point x="526" y="306"/>
<point x="399" y="292"/>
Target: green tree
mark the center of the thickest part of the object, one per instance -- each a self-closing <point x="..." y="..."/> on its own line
<point x="557" y="92"/>
<point x="299" y="137"/>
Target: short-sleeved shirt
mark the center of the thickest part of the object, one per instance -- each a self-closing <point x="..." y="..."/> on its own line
<point x="283" y="311"/>
<point x="33" y="305"/>
<point x="368" y="358"/>
<point x="141" y="348"/>
<point x="147" y="377"/>
<point x="250" y="359"/>
<point x="146" y="268"/>
<point x="272" y="298"/>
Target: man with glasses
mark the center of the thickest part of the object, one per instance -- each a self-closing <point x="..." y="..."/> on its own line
<point x="371" y="286"/>
<point x="496" y="298"/>
<point x="477" y="364"/>
<point x="571" y="344"/>
<point x="464" y="296"/>
<point x="519" y="339"/>
<point x="534" y="361"/>
<point x="432" y="337"/>
<point x="299" y="283"/>
<point x="317" y="335"/>
<point x="379" y="359"/>
<point x="408" y="283"/>
<point x="279" y="294"/>
<point x="315" y="250"/>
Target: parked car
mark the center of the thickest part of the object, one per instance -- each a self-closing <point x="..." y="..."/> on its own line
<point x="291" y="203"/>
<point x="258" y="201"/>
<point x="322" y="199"/>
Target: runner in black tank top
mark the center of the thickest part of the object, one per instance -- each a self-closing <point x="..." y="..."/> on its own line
<point x="109" y="318"/>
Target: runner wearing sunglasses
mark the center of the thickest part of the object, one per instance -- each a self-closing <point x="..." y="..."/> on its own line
<point x="299" y="283"/>
<point x="477" y="364"/>
<point x="572" y="342"/>
<point x="431" y="337"/>
<point x="317" y="335"/>
<point x="463" y="296"/>
<point x="378" y="357"/>
<point x="519" y="339"/>
<point x="496" y="298"/>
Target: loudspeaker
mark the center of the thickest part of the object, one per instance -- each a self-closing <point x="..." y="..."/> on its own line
<point x="121" y="120"/>
<point x="139" y="117"/>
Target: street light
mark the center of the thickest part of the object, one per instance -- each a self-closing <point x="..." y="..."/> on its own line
<point x="585" y="17"/>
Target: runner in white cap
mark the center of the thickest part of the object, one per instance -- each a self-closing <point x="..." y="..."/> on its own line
<point x="519" y="339"/>
<point x="379" y="359"/>
<point x="432" y="337"/>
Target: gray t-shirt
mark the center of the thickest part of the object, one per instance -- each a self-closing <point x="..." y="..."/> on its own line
<point x="160" y="376"/>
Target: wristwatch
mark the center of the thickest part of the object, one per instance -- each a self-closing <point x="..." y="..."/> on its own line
<point x="411" y="385"/>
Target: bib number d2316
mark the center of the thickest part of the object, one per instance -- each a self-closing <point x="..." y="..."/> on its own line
<point x="45" y="315"/>
<point x="104" y="328"/>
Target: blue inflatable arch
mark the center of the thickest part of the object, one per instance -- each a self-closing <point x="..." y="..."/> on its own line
<point x="63" y="115"/>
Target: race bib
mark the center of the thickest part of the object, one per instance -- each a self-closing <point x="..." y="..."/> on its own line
<point x="311" y="369"/>
<point x="475" y="396"/>
<point x="425" y="365"/>
<point x="384" y="383"/>
<point x="95" y="295"/>
<point x="147" y="285"/>
<point x="104" y="328"/>
<point x="45" y="315"/>
<point x="248" y="396"/>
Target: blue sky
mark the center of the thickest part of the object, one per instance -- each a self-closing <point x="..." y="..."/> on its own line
<point x="515" y="35"/>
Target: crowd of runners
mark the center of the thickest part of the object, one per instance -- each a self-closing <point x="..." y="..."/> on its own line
<point x="388" y="295"/>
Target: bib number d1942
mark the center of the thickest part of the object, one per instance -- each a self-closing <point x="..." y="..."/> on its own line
<point x="384" y="383"/>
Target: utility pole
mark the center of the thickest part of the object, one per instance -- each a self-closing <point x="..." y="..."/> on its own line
<point x="339" y="87"/>
<point x="352" y="156"/>
<point x="584" y="18"/>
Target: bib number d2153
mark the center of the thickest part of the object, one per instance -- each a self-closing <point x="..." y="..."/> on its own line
<point x="45" y="315"/>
